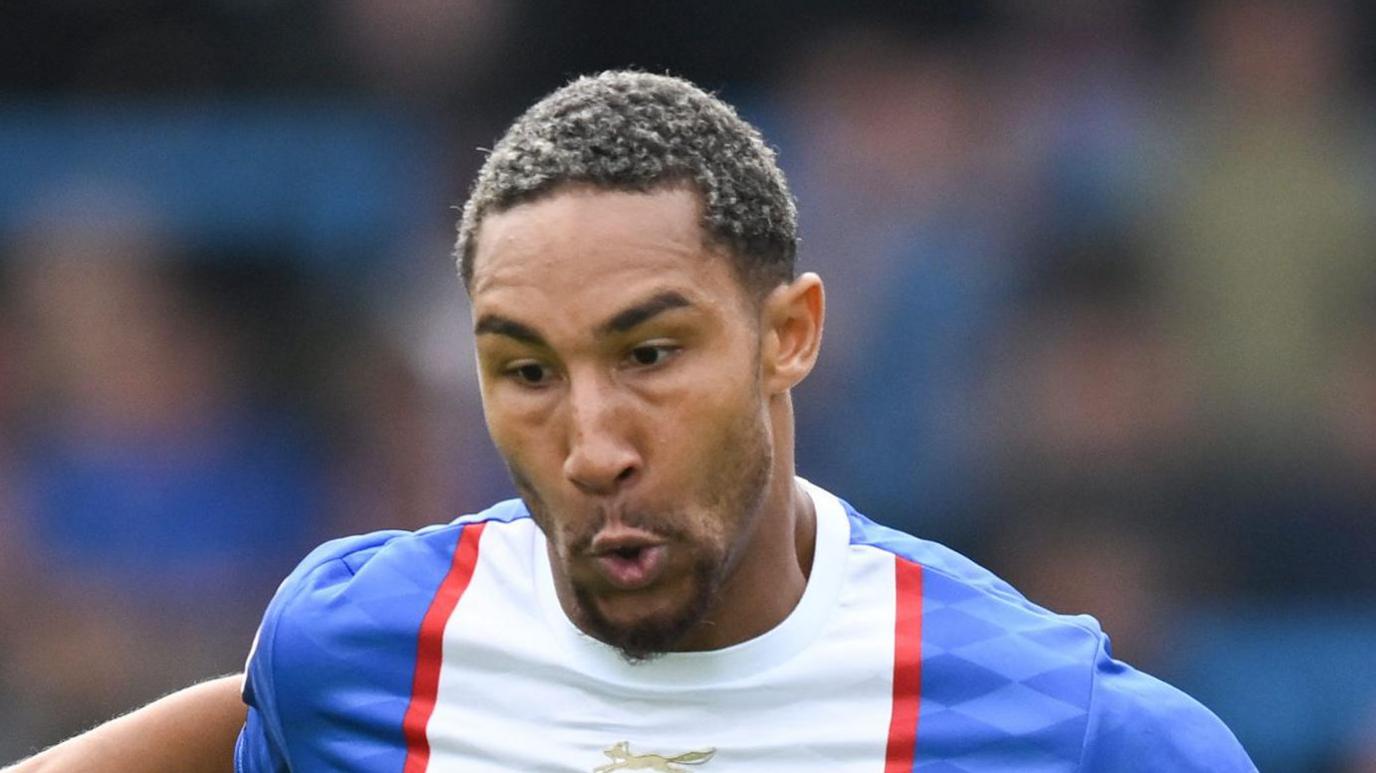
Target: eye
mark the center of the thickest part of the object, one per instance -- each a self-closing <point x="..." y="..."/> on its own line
<point x="647" y="355"/>
<point x="529" y="373"/>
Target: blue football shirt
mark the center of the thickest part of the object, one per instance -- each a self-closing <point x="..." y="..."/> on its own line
<point x="446" y="650"/>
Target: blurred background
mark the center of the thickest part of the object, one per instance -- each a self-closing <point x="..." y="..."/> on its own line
<point x="1101" y="275"/>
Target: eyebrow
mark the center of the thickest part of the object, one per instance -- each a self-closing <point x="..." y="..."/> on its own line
<point x="495" y="324"/>
<point x="622" y="321"/>
<point x="644" y="311"/>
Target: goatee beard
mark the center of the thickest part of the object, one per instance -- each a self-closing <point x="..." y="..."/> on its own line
<point x="651" y="637"/>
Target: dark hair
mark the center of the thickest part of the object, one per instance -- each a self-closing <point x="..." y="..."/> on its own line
<point x="634" y="131"/>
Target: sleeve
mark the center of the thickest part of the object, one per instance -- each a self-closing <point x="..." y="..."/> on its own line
<point x="261" y="747"/>
<point x="254" y="751"/>
<point x="1139" y="723"/>
<point x="275" y="697"/>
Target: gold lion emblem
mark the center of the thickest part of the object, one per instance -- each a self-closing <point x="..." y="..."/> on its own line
<point x="622" y="759"/>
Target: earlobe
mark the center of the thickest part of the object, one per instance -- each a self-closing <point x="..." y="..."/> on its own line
<point x="792" y="317"/>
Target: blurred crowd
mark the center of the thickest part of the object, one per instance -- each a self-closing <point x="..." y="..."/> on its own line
<point x="1101" y="282"/>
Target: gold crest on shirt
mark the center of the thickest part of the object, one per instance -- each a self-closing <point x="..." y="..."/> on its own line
<point x="623" y="759"/>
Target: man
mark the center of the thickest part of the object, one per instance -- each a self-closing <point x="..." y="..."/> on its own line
<point x="665" y="593"/>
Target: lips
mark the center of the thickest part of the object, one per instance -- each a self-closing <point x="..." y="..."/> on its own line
<point x="629" y="560"/>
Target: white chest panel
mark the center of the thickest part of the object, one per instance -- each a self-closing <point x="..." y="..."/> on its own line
<point x="521" y="689"/>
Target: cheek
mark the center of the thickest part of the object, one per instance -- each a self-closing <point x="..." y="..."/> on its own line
<point x="719" y="409"/>
<point x="683" y="430"/>
<point x="720" y="384"/>
<point x="716" y="458"/>
<point x="523" y="443"/>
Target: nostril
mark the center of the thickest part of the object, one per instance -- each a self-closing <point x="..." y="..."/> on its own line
<point x="624" y="474"/>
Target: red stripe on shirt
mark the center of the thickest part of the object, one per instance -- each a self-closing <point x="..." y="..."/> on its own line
<point x="907" y="666"/>
<point x="430" y="648"/>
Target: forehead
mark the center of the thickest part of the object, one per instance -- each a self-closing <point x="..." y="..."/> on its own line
<point x="588" y="249"/>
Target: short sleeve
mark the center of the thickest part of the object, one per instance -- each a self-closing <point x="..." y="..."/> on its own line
<point x="255" y="752"/>
<point x="263" y="745"/>
<point x="1139" y="723"/>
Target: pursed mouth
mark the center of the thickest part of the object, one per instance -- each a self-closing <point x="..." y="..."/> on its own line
<point x="622" y="541"/>
<point x="631" y="566"/>
<point x="629" y="552"/>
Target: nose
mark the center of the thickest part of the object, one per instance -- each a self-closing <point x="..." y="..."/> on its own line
<point x="602" y="456"/>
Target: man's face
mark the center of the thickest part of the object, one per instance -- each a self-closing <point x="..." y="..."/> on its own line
<point x="620" y="370"/>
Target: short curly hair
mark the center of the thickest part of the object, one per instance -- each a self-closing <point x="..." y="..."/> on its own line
<point x="636" y="131"/>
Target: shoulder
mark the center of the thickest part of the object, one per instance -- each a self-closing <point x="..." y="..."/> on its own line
<point x="955" y="590"/>
<point x="1141" y="723"/>
<point x="382" y="567"/>
<point x="1003" y="673"/>
<point x="348" y="617"/>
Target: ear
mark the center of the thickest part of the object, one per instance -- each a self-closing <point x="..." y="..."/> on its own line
<point x="791" y="319"/>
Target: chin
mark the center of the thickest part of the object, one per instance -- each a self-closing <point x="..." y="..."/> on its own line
<point x="660" y="627"/>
